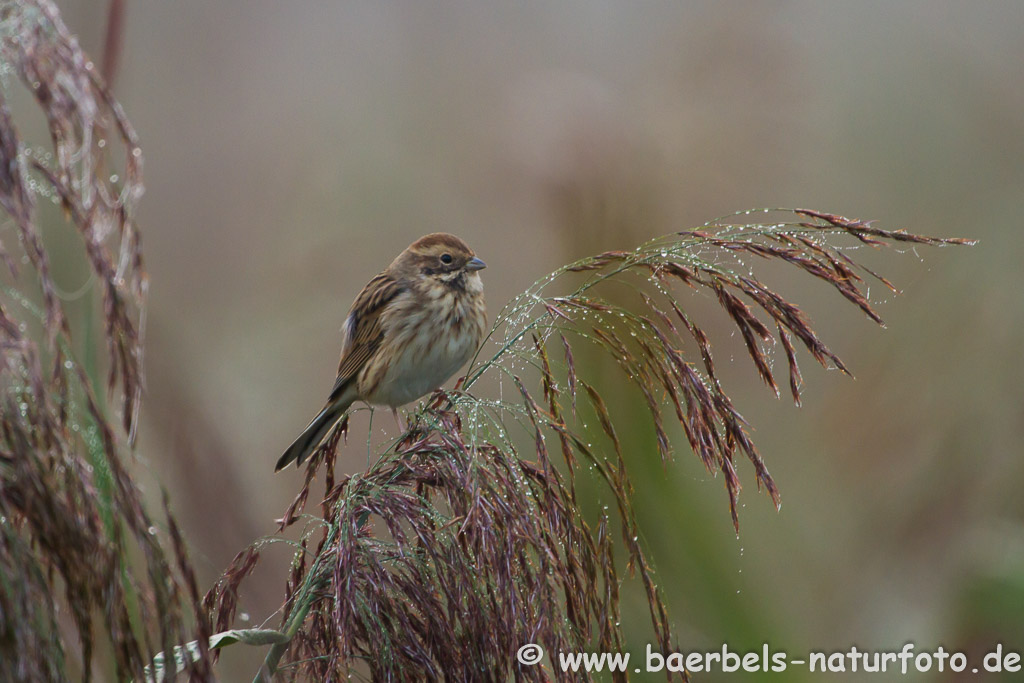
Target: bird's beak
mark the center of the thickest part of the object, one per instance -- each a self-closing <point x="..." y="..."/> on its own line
<point x="475" y="264"/>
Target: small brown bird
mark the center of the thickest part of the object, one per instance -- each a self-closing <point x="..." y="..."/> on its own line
<point x="409" y="330"/>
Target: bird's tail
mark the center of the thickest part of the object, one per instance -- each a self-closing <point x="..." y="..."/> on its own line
<point x="313" y="435"/>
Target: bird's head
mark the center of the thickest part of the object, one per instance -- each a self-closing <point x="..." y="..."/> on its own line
<point x="440" y="257"/>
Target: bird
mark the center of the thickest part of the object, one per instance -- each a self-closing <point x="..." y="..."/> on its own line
<point x="409" y="330"/>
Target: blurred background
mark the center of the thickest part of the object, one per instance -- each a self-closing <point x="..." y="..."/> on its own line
<point x="292" y="150"/>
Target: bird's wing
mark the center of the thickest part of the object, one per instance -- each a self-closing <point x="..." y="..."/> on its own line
<point x="363" y="329"/>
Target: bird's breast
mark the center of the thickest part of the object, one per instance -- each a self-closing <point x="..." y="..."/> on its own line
<point x="428" y="336"/>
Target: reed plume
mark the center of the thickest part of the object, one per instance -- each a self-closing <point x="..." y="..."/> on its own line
<point x="466" y="538"/>
<point x="89" y="574"/>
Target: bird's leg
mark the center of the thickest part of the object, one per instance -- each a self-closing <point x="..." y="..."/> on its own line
<point x="369" y="436"/>
<point x="398" y="420"/>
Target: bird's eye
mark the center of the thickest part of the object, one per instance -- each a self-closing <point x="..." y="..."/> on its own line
<point x="446" y="258"/>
